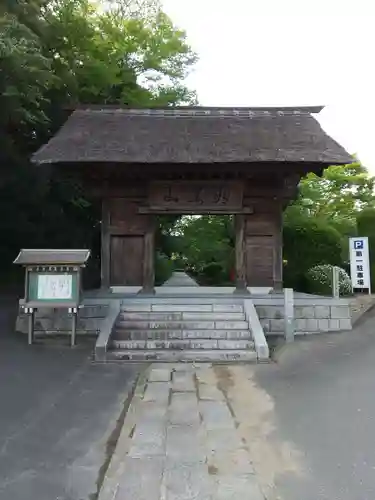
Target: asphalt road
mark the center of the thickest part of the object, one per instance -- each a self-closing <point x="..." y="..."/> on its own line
<point x="58" y="416"/>
<point x="323" y="403"/>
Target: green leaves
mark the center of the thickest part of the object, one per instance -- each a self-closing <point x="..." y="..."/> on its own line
<point x="54" y="55"/>
<point x="339" y="194"/>
<point x="25" y="74"/>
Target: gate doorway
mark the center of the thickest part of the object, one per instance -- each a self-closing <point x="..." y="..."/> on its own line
<point x="203" y="246"/>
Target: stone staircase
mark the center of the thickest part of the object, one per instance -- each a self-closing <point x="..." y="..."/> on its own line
<point x="215" y="330"/>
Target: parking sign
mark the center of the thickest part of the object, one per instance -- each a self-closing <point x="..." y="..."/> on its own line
<point x="360" y="264"/>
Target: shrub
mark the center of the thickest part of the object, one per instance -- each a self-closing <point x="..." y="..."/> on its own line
<point x="164" y="267"/>
<point x="319" y="279"/>
<point x="308" y="242"/>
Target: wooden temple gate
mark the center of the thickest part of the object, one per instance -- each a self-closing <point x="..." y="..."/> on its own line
<point x="143" y="162"/>
<point x="128" y="227"/>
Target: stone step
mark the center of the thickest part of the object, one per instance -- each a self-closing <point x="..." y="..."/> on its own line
<point x="183" y="307"/>
<point x="181" y="334"/>
<point x="177" y="316"/>
<point x="181" y="325"/>
<point x="187" y="355"/>
<point x="183" y="344"/>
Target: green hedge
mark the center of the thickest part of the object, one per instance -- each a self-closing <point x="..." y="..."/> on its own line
<point x="308" y="242"/>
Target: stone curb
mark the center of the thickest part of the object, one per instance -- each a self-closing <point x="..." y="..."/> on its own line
<point x="113" y="474"/>
<point x="261" y="346"/>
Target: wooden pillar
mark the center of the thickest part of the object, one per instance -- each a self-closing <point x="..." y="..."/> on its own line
<point x="105" y="245"/>
<point x="278" y="252"/>
<point x="239" y="224"/>
<point x="149" y="260"/>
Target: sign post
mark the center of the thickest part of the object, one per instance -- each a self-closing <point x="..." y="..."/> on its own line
<point x="52" y="279"/>
<point x="360" y="264"/>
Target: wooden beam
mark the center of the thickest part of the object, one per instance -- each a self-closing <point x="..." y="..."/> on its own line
<point x="278" y="251"/>
<point x="241" y="284"/>
<point x="105" y="245"/>
<point x="197" y="211"/>
<point x="149" y="260"/>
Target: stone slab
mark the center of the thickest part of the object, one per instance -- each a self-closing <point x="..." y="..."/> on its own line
<point x="184" y="409"/>
<point x="223" y="439"/>
<point x="153" y="411"/>
<point x="185" y="444"/>
<point x="157" y="392"/>
<point x="141" y="479"/>
<point x="322" y="312"/>
<point x="235" y="344"/>
<point x="136" y="307"/>
<point x="195" y="308"/>
<point x="182" y="355"/>
<point x="183" y="381"/>
<point x="345" y="324"/>
<point x="216" y="415"/>
<point x="231" y="325"/>
<point x="237" y="488"/>
<point x="323" y="325"/>
<point x="228" y="308"/>
<point x="186" y="481"/>
<point x="334" y="324"/>
<point x="209" y="392"/>
<point x="230" y="462"/>
<point x="160" y="375"/>
<point x="340" y="312"/>
<point x="215" y="316"/>
<point x="151" y="316"/>
<point x="303" y="312"/>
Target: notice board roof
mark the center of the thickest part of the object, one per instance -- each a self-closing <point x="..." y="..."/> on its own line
<point x="52" y="256"/>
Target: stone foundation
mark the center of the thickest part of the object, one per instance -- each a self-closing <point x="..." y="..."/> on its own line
<point x="58" y="321"/>
<point x="311" y="315"/>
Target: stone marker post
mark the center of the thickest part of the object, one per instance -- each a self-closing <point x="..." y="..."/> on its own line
<point x="335" y="282"/>
<point x="289" y="314"/>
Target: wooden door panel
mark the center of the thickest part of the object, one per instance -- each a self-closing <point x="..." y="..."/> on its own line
<point x="260" y="260"/>
<point x="126" y="260"/>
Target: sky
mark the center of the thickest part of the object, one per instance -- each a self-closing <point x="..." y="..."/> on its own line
<point x="288" y="53"/>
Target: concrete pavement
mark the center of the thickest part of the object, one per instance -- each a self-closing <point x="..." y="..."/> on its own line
<point x="58" y="416"/>
<point x="321" y="398"/>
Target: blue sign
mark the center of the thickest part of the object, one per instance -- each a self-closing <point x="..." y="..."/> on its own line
<point x="358" y="245"/>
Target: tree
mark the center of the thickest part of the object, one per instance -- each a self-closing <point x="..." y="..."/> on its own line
<point x="308" y="242"/>
<point x="335" y="199"/>
<point x="337" y="196"/>
<point x="206" y="247"/>
<point x="55" y="54"/>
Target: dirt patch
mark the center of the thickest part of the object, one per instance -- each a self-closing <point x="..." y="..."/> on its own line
<point x="255" y="416"/>
<point x="212" y="470"/>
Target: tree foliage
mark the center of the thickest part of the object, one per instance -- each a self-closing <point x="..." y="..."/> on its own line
<point x="55" y="54"/>
<point x="308" y="242"/>
<point x="205" y="247"/>
<point x="337" y="196"/>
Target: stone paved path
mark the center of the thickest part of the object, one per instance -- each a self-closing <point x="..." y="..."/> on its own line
<point x="181" y="441"/>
